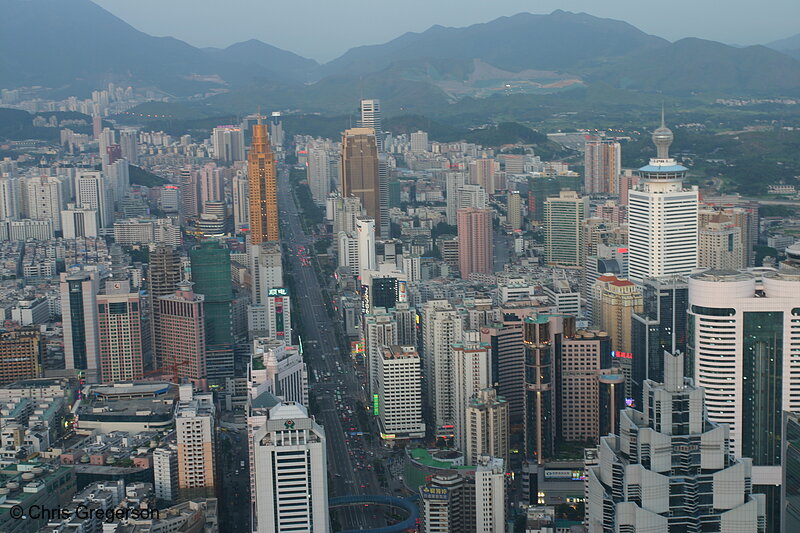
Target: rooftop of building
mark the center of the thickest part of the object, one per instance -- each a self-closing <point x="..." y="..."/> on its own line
<point x="143" y="389"/>
<point x="400" y="352"/>
<point x="424" y="457"/>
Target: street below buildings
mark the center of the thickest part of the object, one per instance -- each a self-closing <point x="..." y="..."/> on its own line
<point x="336" y="388"/>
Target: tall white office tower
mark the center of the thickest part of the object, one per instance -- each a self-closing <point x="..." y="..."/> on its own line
<point x="419" y="142"/>
<point x="488" y="426"/>
<point x="453" y="182"/>
<point x="241" y="203"/>
<point x="345" y="213"/>
<point x="228" y="143"/>
<point x="668" y="449"/>
<point x="472" y="196"/>
<point x="266" y="270"/>
<point x="92" y="189"/>
<point x="129" y="145"/>
<point x="471" y="361"/>
<point x="45" y="199"/>
<point x="78" y="221"/>
<point x="291" y="472"/>
<point x="398" y="396"/>
<point x="367" y="256"/>
<point x="80" y="323"/>
<point x="318" y="173"/>
<point x="379" y="330"/>
<point x="490" y="495"/>
<point x="441" y="328"/>
<point x="347" y="244"/>
<point x="371" y="118"/>
<point x="744" y="343"/>
<point x="276" y="135"/>
<point x="662" y="217"/>
<point x="10" y="197"/>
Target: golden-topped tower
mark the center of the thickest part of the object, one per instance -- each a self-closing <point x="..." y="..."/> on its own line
<point x="263" y="184"/>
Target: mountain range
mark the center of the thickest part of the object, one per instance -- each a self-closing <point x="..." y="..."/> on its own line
<point x="74" y="46"/>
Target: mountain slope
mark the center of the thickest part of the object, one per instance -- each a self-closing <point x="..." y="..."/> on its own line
<point x="698" y="66"/>
<point x="255" y="52"/>
<point x="558" y="41"/>
<point x="78" y="44"/>
<point x="789" y="46"/>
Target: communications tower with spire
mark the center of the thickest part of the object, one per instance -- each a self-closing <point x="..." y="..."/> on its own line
<point x="662" y="216"/>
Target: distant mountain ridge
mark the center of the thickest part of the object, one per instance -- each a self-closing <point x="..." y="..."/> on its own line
<point x="789" y="46"/>
<point x="77" y="46"/>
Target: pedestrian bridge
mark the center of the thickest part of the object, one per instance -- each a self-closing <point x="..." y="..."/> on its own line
<point x="387" y="501"/>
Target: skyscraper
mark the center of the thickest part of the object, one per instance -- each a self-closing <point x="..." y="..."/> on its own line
<point x="379" y="330"/>
<point x="541" y="336"/>
<point x="318" y="173"/>
<point x="616" y="300"/>
<point x="241" y="200"/>
<point x="360" y="174"/>
<point x="263" y="188"/>
<point x="365" y="235"/>
<point x="211" y="274"/>
<point x="20" y="354"/>
<point x="398" y="394"/>
<point x="471" y="363"/>
<point x="670" y="468"/>
<point x="180" y="337"/>
<point x="743" y="347"/>
<point x="371" y="118"/>
<point x="481" y="172"/>
<point x="228" y="143"/>
<point x="290" y="464"/>
<point x="195" y="430"/>
<point x="212" y="185"/>
<point x="475" y="252"/>
<point x="190" y="192"/>
<point x="488" y="426"/>
<point x="662" y="217"/>
<point x="119" y="315"/>
<point x="79" y="321"/>
<point x="563" y="228"/>
<point x="490" y="495"/>
<point x="45" y="199"/>
<point x="602" y="167"/>
<point x="514" y="210"/>
<point x="441" y="327"/>
<point x="580" y="361"/>
<point x="720" y="245"/>
<point x="94" y="190"/>
<point x="661" y="326"/>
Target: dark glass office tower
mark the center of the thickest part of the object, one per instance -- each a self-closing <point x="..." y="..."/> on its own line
<point x="211" y="274"/>
<point x="663" y="317"/>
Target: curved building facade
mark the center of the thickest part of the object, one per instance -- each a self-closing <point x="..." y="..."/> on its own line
<point x="744" y="348"/>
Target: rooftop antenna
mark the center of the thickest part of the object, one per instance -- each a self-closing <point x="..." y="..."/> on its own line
<point x="663" y="123"/>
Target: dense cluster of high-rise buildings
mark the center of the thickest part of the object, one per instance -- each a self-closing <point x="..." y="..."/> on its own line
<point x="602" y="352"/>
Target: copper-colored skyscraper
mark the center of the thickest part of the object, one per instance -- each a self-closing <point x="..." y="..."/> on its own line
<point x="263" y="184"/>
<point x="359" y="172"/>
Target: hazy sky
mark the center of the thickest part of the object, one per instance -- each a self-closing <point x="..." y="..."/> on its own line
<point x="324" y="29"/>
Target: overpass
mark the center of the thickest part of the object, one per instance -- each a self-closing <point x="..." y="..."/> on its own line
<point x="387" y="501"/>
